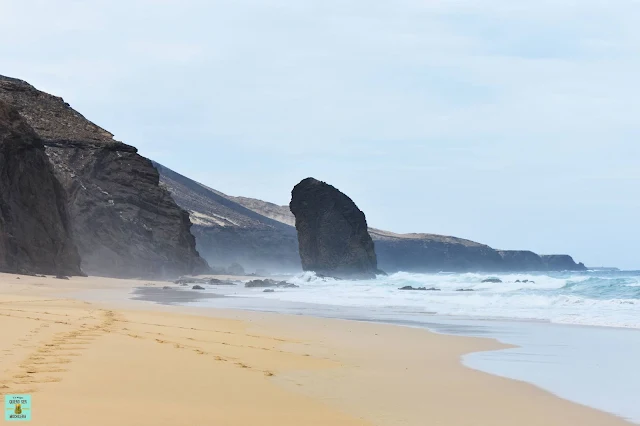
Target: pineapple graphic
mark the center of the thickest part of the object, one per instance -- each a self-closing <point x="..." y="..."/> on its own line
<point x="18" y="409"/>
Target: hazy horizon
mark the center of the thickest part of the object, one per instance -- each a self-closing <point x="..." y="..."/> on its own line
<point x="508" y="124"/>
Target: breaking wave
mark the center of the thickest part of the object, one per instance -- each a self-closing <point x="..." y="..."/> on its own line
<point x="588" y="298"/>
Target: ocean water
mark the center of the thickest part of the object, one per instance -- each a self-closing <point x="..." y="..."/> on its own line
<point x="599" y="298"/>
<point x="577" y="334"/>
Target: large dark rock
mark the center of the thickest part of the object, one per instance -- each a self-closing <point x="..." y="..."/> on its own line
<point x="269" y="283"/>
<point x="123" y="223"/>
<point x="332" y="231"/>
<point x="409" y="287"/>
<point x="34" y="224"/>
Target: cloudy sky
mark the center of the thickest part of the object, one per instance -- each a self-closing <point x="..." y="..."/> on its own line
<point x="513" y="123"/>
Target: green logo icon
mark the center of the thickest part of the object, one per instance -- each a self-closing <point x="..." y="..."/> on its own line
<point x="17" y="408"/>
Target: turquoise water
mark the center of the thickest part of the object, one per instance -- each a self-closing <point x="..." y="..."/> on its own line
<point x="578" y="334"/>
<point x="599" y="298"/>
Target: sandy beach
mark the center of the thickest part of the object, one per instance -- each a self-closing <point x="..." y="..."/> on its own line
<point x="89" y="355"/>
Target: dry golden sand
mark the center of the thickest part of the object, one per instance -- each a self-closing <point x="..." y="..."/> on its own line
<point x="120" y="362"/>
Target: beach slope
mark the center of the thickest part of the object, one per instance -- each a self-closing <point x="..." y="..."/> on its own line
<point x="126" y="362"/>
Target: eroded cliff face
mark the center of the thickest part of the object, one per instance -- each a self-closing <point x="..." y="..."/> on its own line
<point x="333" y="236"/>
<point x="123" y="223"/>
<point x="227" y="232"/>
<point x="34" y="224"/>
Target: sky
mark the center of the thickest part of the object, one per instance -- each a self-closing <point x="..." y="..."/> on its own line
<point x="511" y="123"/>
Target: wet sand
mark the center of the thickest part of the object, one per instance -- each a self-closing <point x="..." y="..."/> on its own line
<point x="89" y="355"/>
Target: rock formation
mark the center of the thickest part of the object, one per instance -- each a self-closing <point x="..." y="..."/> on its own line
<point x="333" y="237"/>
<point x="34" y="224"/>
<point x="123" y="223"/>
<point x="259" y="234"/>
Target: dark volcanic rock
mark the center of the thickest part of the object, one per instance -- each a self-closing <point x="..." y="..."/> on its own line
<point x="492" y="280"/>
<point x="332" y="232"/>
<point x="268" y="290"/>
<point x="197" y="287"/>
<point x="408" y="287"/>
<point x="269" y="283"/>
<point x="215" y="281"/>
<point x="193" y="280"/>
<point x="465" y="289"/>
<point x="34" y="224"/>
<point x="123" y="223"/>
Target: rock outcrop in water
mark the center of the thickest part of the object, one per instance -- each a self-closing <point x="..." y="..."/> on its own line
<point x="34" y="224"/>
<point x="123" y="223"/>
<point x="332" y="231"/>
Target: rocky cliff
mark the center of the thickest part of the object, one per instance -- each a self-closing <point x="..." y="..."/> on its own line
<point x="433" y="253"/>
<point x="333" y="236"/>
<point x="34" y="224"/>
<point x="561" y="262"/>
<point x="228" y="232"/>
<point x="123" y="223"/>
<point x="259" y="234"/>
<point x="522" y="260"/>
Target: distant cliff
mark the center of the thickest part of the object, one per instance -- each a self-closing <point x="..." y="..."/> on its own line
<point x="522" y="260"/>
<point x="259" y="234"/>
<point x="433" y="253"/>
<point x="34" y="224"/>
<point x="123" y="223"/>
<point x="333" y="236"/>
<point x="228" y="232"/>
<point x="561" y="262"/>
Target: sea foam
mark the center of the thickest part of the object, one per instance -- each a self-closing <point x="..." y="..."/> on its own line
<point x="589" y="298"/>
